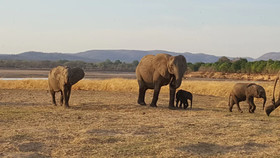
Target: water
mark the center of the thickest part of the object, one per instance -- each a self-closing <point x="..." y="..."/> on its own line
<point x="15" y="79"/>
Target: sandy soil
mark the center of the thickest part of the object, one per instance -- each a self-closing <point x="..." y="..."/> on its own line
<point x="111" y="124"/>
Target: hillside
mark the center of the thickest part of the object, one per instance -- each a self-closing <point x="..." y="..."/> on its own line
<point x="102" y="55"/>
<point x="271" y="55"/>
<point x="130" y="55"/>
<point x="38" y="56"/>
<point x="122" y="55"/>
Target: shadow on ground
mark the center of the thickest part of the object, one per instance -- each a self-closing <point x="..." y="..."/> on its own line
<point x="209" y="149"/>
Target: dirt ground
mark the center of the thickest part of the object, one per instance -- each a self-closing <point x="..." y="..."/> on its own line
<point x="111" y="124"/>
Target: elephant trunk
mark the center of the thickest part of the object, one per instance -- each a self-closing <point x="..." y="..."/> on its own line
<point x="270" y="108"/>
<point x="177" y="80"/>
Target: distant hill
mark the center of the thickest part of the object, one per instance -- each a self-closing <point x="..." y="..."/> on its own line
<point x="271" y="55"/>
<point x="122" y="55"/>
<point x="38" y="56"/>
<point x="130" y="55"/>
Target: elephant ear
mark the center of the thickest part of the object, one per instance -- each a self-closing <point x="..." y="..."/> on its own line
<point x="160" y="64"/>
<point x="170" y="65"/>
<point x="75" y="75"/>
<point x="63" y="77"/>
<point x="252" y="89"/>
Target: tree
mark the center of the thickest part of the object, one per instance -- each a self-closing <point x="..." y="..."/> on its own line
<point x="224" y="67"/>
<point x="224" y="59"/>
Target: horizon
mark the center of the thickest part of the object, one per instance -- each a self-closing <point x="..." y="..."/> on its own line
<point x="232" y="28"/>
<point x="139" y="50"/>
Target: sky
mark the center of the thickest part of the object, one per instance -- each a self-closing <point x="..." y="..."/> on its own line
<point x="234" y="28"/>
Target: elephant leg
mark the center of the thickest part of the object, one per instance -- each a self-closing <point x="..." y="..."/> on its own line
<point x="53" y="97"/>
<point x="66" y="97"/>
<point x="237" y="103"/>
<point x="252" y="106"/>
<point x="177" y="101"/>
<point x="186" y="104"/>
<point x="61" y="98"/>
<point x="238" y="106"/>
<point x="172" y="92"/>
<point x="141" y="97"/>
<point x="181" y="104"/>
<point x="155" y="96"/>
<point x="231" y="103"/>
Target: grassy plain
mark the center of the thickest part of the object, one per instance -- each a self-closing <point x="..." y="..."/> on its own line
<point x="105" y="121"/>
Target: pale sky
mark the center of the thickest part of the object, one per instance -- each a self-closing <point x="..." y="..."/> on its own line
<point x="236" y="28"/>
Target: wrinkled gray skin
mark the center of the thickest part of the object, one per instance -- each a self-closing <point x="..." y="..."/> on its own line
<point x="61" y="79"/>
<point x="155" y="71"/>
<point x="246" y="91"/>
<point x="268" y="109"/>
<point x="183" y="97"/>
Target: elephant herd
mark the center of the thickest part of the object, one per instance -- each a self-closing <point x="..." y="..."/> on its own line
<point x="155" y="71"/>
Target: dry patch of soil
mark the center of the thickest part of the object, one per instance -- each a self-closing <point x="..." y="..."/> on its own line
<point x="111" y="124"/>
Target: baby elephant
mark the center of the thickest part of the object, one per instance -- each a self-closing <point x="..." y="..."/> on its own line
<point x="246" y="91"/>
<point x="183" y="97"/>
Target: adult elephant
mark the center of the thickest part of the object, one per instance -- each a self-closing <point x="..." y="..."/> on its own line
<point x="61" y="79"/>
<point x="155" y="71"/>
<point x="246" y="91"/>
<point x="270" y="108"/>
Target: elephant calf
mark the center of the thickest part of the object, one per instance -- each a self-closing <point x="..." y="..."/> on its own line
<point x="183" y="97"/>
<point x="246" y="91"/>
<point x="61" y="79"/>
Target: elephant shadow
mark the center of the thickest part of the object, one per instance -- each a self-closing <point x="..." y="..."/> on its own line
<point x="196" y="109"/>
<point x="210" y="149"/>
<point x="88" y="106"/>
<point x="182" y="109"/>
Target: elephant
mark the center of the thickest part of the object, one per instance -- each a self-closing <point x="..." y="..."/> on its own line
<point x="270" y="108"/>
<point x="183" y="97"/>
<point x="155" y="71"/>
<point x="246" y="91"/>
<point x="61" y="79"/>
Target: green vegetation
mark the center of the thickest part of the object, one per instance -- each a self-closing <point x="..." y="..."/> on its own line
<point x="107" y="65"/>
<point x="222" y="65"/>
<point x="237" y="66"/>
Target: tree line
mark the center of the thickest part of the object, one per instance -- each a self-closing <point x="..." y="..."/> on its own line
<point x="224" y="64"/>
<point x="107" y="65"/>
<point x="240" y="65"/>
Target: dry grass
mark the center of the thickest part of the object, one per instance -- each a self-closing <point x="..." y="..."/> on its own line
<point x="105" y="121"/>
<point x="111" y="124"/>
<point x="213" y="88"/>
